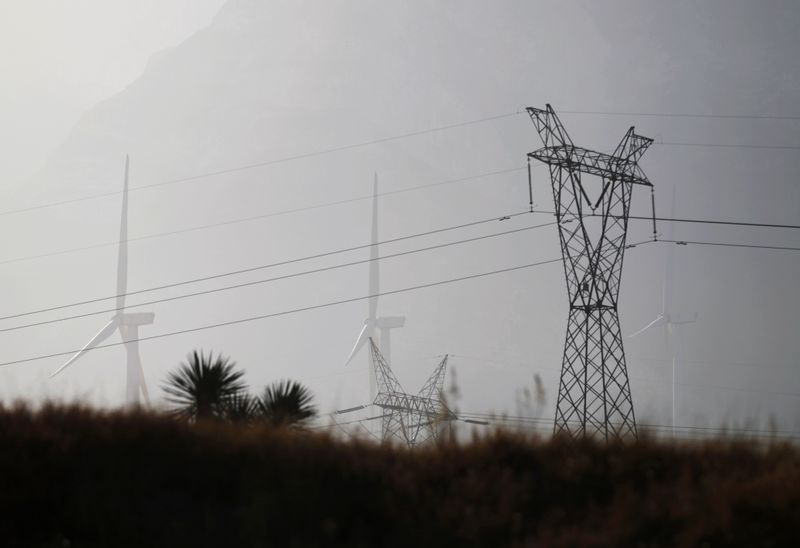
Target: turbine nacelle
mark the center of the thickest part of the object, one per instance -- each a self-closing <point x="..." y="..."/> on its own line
<point x="680" y="319"/>
<point x="390" y="322"/>
<point x="134" y="318"/>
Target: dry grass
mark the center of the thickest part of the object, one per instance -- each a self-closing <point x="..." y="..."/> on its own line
<point x="77" y="477"/>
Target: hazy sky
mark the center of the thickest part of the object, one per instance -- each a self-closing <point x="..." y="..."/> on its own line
<point x="58" y="58"/>
<point x="262" y="80"/>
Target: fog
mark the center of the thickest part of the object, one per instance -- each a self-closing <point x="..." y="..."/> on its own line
<point x="194" y="88"/>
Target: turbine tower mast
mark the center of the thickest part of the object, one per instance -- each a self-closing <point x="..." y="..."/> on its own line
<point x="383" y="324"/>
<point x="594" y="395"/>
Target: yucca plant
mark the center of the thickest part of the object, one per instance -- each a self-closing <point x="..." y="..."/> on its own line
<point x="240" y="408"/>
<point x="200" y="388"/>
<point x="286" y="403"/>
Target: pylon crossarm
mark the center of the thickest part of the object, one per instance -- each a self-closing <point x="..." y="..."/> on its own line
<point x="405" y="402"/>
<point x="594" y="163"/>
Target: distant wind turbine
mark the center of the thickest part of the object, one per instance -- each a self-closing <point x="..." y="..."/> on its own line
<point x="127" y="323"/>
<point x="673" y="334"/>
<point x="382" y="324"/>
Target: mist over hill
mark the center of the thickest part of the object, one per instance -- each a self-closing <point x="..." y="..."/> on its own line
<point x="268" y="81"/>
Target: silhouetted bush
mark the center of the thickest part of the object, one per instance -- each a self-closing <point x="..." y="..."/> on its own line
<point x="77" y="477"/>
<point x="203" y="387"/>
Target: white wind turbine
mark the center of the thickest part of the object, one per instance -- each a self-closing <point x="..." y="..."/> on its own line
<point x="384" y="324"/>
<point x="673" y="334"/>
<point x="127" y="323"/>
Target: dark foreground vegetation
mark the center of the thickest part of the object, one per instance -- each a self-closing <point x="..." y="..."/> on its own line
<point x="76" y="477"/>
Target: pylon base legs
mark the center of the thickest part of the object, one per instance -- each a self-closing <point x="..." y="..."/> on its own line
<point x="594" y="396"/>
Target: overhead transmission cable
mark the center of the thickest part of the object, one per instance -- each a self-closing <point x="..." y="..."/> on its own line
<point x="278" y="278"/>
<point x="687" y="220"/>
<point x="682" y="115"/>
<point x="726" y="145"/>
<point x="290" y="311"/>
<point x="545" y="423"/>
<point x="646" y="380"/>
<point x="265" y="163"/>
<point x="264" y="215"/>
<point x="445" y="229"/>
<point x="726" y="244"/>
<point x="356" y="199"/>
<point x="350" y="146"/>
<point x="269" y="265"/>
<point x="713" y="222"/>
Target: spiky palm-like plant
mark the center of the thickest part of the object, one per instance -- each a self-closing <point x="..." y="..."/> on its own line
<point x="286" y="403"/>
<point x="200" y="387"/>
<point x="240" y="408"/>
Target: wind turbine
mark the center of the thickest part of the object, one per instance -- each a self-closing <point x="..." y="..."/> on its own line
<point x="673" y="334"/>
<point x="383" y="324"/>
<point x="127" y="323"/>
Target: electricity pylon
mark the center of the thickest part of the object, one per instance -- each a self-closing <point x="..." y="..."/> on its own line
<point x="407" y="418"/>
<point x="594" y="395"/>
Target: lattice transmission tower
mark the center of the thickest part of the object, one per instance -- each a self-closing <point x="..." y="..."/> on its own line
<point x="408" y="418"/>
<point x="594" y="395"/>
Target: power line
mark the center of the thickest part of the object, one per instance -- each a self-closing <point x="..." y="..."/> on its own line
<point x="263" y="216"/>
<point x="265" y="266"/>
<point x="287" y="312"/>
<point x="682" y="115"/>
<point x="354" y="248"/>
<point x="726" y="145"/>
<point x="361" y="144"/>
<point x="276" y="278"/>
<point x="691" y="221"/>
<point x="723" y="244"/>
<point x="549" y="421"/>
<point x="712" y="222"/>
<point x="545" y="423"/>
<point x="265" y="163"/>
<point x="356" y="199"/>
<point x="648" y="380"/>
<point x="320" y="255"/>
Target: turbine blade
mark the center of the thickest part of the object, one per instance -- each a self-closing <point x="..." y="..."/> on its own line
<point x="122" y="257"/>
<point x="374" y="267"/>
<point x="362" y="339"/>
<point x="648" y="326"/>
<point x="102" y="335"/>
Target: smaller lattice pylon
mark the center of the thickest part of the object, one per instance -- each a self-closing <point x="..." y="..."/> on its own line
<point x="408" y="418"/>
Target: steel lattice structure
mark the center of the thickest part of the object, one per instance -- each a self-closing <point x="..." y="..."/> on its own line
<point x="407" y="418"/>
<point x="594" y="395"/>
